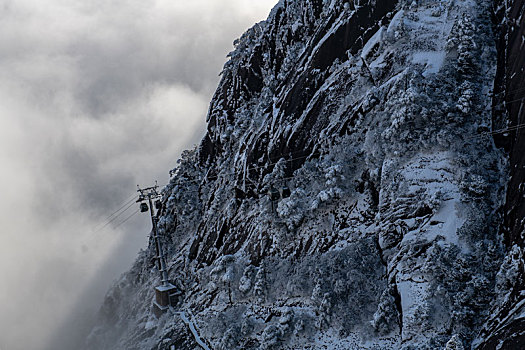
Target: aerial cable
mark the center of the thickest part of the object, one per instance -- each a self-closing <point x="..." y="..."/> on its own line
<point x="519" y="99"/>
<point x="214" y="177"/>
<point x="223" y="175"/>
<point x="507" y="92"/>
<point x="508" y="102"/>
<point x="133" y="195"/>
<point x="497" y="131"/>
<point x="124" y="204"/>
<point x="510" y="128"/>
<point x="128" y="203"/>
<point x="494" y="132"/>
<point x="505" y="130"/>
<point x="126" y="219"/>
<point x="116" y="217"/>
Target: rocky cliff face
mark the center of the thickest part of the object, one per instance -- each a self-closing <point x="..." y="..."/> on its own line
<point x="505" y="329"/>
<point x="374" y="114"/>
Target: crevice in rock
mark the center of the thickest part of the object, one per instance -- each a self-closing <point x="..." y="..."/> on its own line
<point x="399" y="307"/>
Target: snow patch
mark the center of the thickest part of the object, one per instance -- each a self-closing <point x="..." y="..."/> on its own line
<point x="372" y="42"/>
<point x="433" y="61"/>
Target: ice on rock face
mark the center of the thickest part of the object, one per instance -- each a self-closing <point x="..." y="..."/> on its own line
<point x="368" y="112"/>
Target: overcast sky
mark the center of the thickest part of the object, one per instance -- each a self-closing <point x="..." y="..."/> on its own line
<point x="96" y="96"/>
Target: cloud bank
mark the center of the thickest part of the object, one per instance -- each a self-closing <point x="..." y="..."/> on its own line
<point x="97" y="96"/>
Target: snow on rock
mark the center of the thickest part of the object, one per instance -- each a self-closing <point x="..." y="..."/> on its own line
<point x="369" y="113"/>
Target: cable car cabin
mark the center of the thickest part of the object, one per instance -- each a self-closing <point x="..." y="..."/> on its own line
<point x="143" y="207"/>
<point x="285" y="192"/>
<point x="165" y="296"/>
<point x="273" y="194"/>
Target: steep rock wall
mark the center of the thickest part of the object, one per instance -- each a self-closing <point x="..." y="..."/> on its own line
<point x="505" y="329"/>
<point x="374" y="114"/>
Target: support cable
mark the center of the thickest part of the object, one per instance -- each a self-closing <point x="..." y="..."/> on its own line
<point x="129" y="200"/>
<point x="116" y="217"/>
<point x="126" y="219"/>
<point x="122" y="208"/>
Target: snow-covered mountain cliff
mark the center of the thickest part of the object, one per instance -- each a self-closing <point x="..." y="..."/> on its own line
<point x="377" y="116"/>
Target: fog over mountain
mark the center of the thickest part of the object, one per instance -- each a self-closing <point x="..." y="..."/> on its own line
<point x="97" y="97"/>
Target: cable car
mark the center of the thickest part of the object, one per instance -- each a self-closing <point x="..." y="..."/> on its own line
<point x="143" y="207"/>
<point x="274" y="194"/>
<point x="158" y="204"/>
<point x="285" y="191"/>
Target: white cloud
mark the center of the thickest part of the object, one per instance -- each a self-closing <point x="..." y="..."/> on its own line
<point x="97" y="96"/>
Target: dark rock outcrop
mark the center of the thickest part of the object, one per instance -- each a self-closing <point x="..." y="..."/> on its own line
<point x="506" y="328"/>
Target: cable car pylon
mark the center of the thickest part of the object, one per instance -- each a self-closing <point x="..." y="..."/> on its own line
<point x="166" y="294"/>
